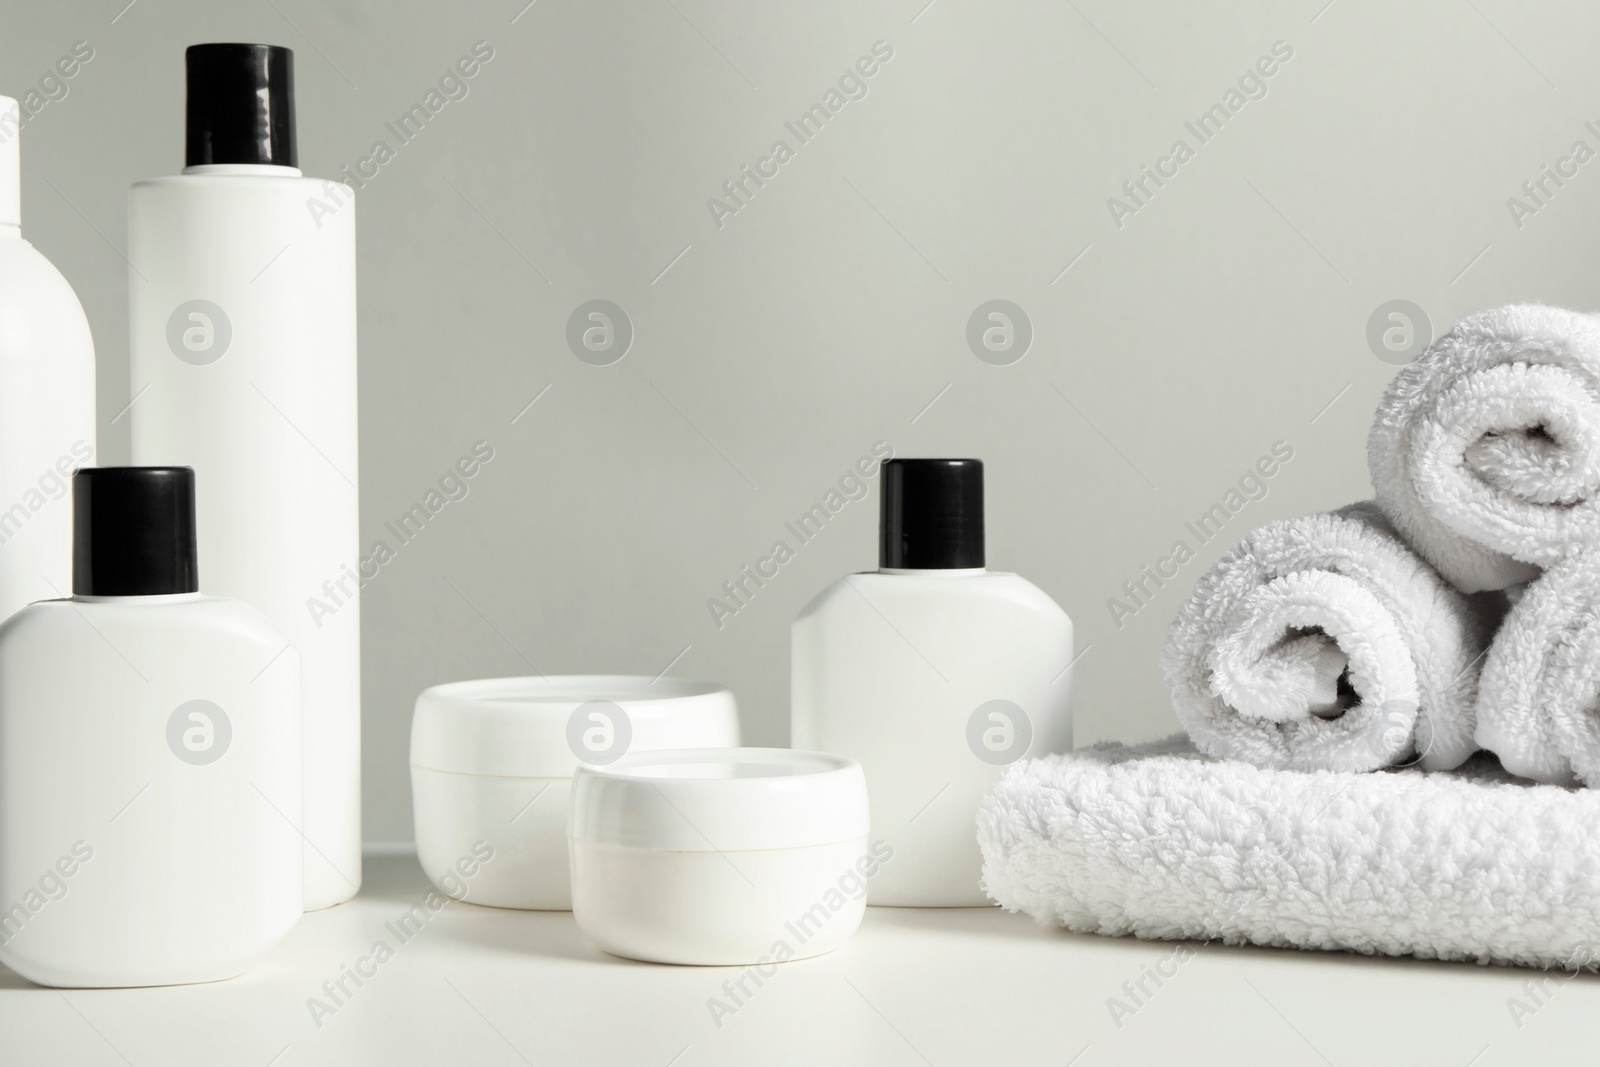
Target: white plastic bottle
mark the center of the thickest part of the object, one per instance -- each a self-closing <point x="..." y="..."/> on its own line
<point x="47" y="405"/>
<point x="934" y="673"/>
<point x="149" y="758"/>
<point x="243" y="336"/>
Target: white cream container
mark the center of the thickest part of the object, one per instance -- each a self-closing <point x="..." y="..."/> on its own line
<point x="720" y="856"/>
<point x="492" y="764"/>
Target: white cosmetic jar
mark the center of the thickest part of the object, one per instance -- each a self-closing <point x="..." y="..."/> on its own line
<point x="742" y="856"/>
<point x="492" y="764"/>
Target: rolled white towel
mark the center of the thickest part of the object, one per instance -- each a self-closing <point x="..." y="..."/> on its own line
<point x="1486" y="450"/>
<point x="1539" y="693"/>
<point x="1324" y="643"/>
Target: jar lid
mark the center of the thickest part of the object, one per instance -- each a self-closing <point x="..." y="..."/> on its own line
<point x="546" y="727"/>
<point x="720" y="800"/>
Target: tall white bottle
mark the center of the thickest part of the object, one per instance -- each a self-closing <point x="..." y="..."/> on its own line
<point x="243" y="336"/>
<point x="934" y="673"/>
<point x="46" y="399"/>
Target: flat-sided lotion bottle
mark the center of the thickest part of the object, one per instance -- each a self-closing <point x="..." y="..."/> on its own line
<point x="149" y="758"/>
<point x="243" y="336"/>
<point x="46" y="399"/>
<point x="934" y="673"/>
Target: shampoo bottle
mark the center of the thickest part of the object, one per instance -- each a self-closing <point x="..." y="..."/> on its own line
<point x="149" y="758"/>
<point x="934" y="673"/>
<point x="243" y="335"/>
<point x="46" y="399"/>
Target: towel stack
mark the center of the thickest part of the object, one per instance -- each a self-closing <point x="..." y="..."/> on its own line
<point x="1459" y="610"/>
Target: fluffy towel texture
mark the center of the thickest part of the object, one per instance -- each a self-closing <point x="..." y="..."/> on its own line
<point x="1486" y="449"/>
<point x="1539" y="703"/>
<point x="1324" y="643"/>
<point x="1162" y="843"/>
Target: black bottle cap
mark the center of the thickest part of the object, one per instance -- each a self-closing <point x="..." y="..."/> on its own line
<point x="932" y="516"/>
<point x="133" y="531"/>
<point x="241" y="105"/>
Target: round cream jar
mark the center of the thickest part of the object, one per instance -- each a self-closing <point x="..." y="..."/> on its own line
<point x="720" y="856"/>
<point x="492" y="764"/>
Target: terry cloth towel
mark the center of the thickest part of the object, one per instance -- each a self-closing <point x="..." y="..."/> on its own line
<point x="1324" y="643"/>
<point x="1486" y="449"/>
<point x="1160" y="842"/>
<point x="1539" y="697"/>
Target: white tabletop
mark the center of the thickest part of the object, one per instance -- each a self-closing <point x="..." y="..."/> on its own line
<point x="484" y="986"/>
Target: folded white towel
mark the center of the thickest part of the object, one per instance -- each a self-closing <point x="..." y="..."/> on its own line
<point x="1162" y="843"/>
<point x="1486" y="449"/>
<point x="1324" y="643"/>
<point x="1539" y="698"/>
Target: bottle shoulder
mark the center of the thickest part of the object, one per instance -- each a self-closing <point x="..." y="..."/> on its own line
<point x="993" y="588"/>
<point x="297" y="184"/>
<point x="33" y="287"/>
<point x="226" y="619"/>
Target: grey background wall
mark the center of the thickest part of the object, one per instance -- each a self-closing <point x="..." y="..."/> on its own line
<point x="1174" y="340"/>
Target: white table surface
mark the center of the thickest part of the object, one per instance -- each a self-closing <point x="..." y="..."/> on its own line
<point x="483" y="986"/>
